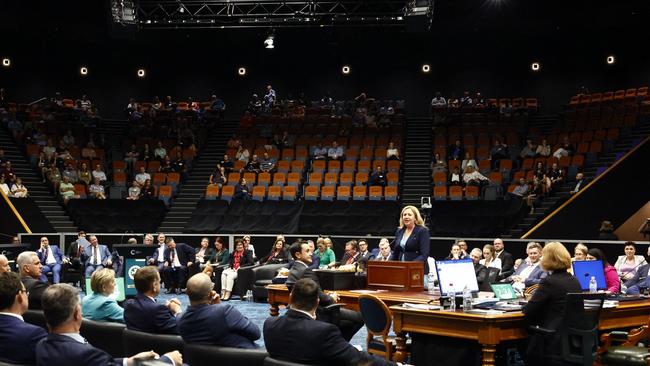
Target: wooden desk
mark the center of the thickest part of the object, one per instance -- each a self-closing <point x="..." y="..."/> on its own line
<point x="279" y="295"/>
<point x="490" y="330"/>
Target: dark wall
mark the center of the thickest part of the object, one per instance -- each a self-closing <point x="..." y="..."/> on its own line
<point x="9" y="225"/>
<point x="469" y="47"/>
<point x="615" y="196"/>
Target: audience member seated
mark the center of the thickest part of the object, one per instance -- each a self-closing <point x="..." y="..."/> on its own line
<point x="463" y="248"/>
<point x="159" y="152"/>
<point x="51" y="258"/>
<point x="4" y="264"/>
<point x="472" y="177"/>
<point x="456" y="253"/>
<point x="378" y="177"/>
<point x="64" y="345"/>
<point x="565" y="149"/>
<point x="29" y="267"/>
<point x="17" y="339"/>
<point x="456" y="151"/>
<point x="627" y="265"/>
<point x="9" y="173"/>
<point x="543" y="150"/>
<point x="142" y="177"/>
<point x="242" y="191"/>
<point x="144" y="313"/>
<point x="606" y="231"/>
<point x="96" y="190"/>
<point x="253" y="165"/>
<point x="277" y="254"/>
<point x="218" y="177"/>
<point x="529" y="273"/>
<point x="489" y="257"/>
<point x="18" y="189"/>
<point x="580" y="252"/>
<point x="66" y="190"/>
<point x="148" y="192"/>
<point x="480" y="270"/>
<point x="324" y="253"/>
<point x="319" y="152"/>
<point x="349" y="321"/>
<point x="220" y="255"/>
<point x="238" y="259"/>
<point x="202" y="256"/>
<point x="336" y="152"/>
<point x="612" y="282"/>
<point x="438" y="165"/>
<point x="98" y="174"/>
<point x="178" y="259"/>
<point x="208" y="321"/>
<point x="267" y="163"/>
<point x="285" y="336"/>
<point x="455" y="178"/>
<point x="640" y="282"/>
<point x="100" y="306"/>
<point x="529" y="150"/>
<point x="384" y="251"/>
<point x="507" y="260"/>
<point x="96" y="256"/>
<point x="498" y="152"/>
<point x="467" y="161"/>
<point x="546" y="308"/>
<point x="351" y="255"/>
<point x="580" y="182"/>
<point x="535" y="194"/>
<point x="134" y="192"/>
<point x="520" y="191"/>
<point x="4" y="187"/>
<point x="85" y="175"/>
<point x="392" y="152"/>
<point x="364" y="254"/>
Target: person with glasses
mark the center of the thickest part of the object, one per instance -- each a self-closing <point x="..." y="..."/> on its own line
<point x="17" y="339"/>
<point x="29" y="268"/>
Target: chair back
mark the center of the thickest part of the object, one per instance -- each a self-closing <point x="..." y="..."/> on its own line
<point x="16" y="364"/>
<point x="105" y="336"/>
<point x="376" y="314"/>
<point x="35" y="317"/>
<point x="493" y="274"/>
<point x="208" y="355"/>
<point x="270" y="361"/>
<point x="579" y="330"/>
<point x="136" y="342"/>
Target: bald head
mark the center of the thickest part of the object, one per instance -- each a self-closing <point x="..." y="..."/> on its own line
<point x="4" y="264"/>
<point x="199" y="288"/>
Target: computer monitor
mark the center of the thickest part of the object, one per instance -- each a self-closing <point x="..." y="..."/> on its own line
<point x="584" y="270"/>
<point x="460" y="273"/>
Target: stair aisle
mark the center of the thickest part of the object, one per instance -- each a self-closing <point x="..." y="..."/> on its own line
<point x="416" y="167"/>
<point x="193" y="189"/>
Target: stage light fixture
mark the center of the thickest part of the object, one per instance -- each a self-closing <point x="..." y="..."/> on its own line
<point x="141" y="73"/>
<point x="611" y="60"/>
<point x="6" y="62"/>
<point x="241" y="71"/>
<point x="83" y="71"/>
<point x="269" y="42"/>
<point x="345" y="70"/>
<point x="535" y="66"/>
<point x="426" y="68"/>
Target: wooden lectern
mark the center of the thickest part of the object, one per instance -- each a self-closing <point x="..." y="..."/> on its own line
<point x="396" y="275"/>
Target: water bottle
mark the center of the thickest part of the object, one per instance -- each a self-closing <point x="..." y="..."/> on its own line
<point x="593" y="285"/>
<point x="248" y="296"/>
<point x="467" y="299"/>
<point x="431" y="286"/>
<point x="452" y="297"/>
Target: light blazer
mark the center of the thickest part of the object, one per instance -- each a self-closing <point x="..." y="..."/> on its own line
<point x="104" y="254"/>
<point x="56" y="253"/>
<point x="102" y="308"/>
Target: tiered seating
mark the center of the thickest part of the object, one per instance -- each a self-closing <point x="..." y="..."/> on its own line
<point x="298" y="175"/>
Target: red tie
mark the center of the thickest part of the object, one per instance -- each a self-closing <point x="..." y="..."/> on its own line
<point x="79" y="247"/>
<point x="349" y="260"/>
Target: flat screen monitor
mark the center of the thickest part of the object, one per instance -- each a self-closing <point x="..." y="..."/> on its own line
<point x="584" y="270"/>
<point x="459" y="273"/>
<point x="135" y="251"/>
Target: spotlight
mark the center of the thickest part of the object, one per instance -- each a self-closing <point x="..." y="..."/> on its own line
<point x="611" y="60"/>
<point x="83" y="70"/>
<point x="345" y="69"/>
<point x="268" y="43"/>
<point x="241" y="71"/>
<point x="141" y="73"/>
<point x="6" y="62"/>
<point x="426" y="68"/>
<point x="535" y="66"/>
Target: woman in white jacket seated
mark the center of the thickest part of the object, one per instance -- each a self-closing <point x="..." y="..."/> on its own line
<point x="626" y="265"/>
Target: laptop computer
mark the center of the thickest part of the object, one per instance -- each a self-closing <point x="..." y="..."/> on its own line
<point x="504" y="291"/>
<point x="584" y="270"/>
<point x="506" y="298"/>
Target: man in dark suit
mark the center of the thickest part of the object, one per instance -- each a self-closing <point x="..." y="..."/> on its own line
<point x="351" y="254"/>
<point x="285" y="336"/>
<point x="96" y="256"/>
<point x="65" y="346"/>
<point x="73" y="258"/>
<point x="384" y="253"/>
<point x="157" y="258"/>
<point x="51" y="258"/>
<point x="640" y="281"/>
<point x="507" y="261"/>
<point x="29" y="267"/>
<point x="17" y="338"/>
<point x="480" y="270"/>
<point x="143" y="313"/>
<point x="178" y="258"/>
<point x="580" y="183"/>
<point x="208" y="321"/>
<point x="350" y="321"/>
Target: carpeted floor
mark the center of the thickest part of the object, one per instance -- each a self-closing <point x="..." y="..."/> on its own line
<point x="258" y="312"/>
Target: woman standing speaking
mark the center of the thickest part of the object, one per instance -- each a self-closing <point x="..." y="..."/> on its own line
<point x="411" y="238"/>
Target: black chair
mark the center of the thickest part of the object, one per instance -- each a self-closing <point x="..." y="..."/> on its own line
<point x="378" y="319"/>
<point x="263" y="275"/>
<point x="578" y="332"/>
<point x="106" y="336"/>
<point x="12" y="364"/>
<point x="627" y="352"/>
<point x="206" y="355"/>
<point x="245" y="280"/>
<point x="492" y="277"/>
<point x="270" y="361"/>
<point x="35" y="317"/>
<point x="136" y="342"/>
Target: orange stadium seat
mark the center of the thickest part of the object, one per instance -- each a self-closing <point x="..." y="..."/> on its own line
<point x="456" y="193"/>
<point x="279" y="179"/>
<point x="289" y="193"/>
<point x="318" y="166"/>
<point x="251" y="177"/>
<point x="375" y="193"/>
<point x="315" y="179"/>
<point x="390" y="193"/>
<point x="293" y="179"/>
<point x="334" y="166"/>
<point x="297" y="166"/>
<point x="327" y="193"/>
<point x="275" y="192"/>
<point x="227" y="192"/>
<point x="440" y="193"/>
<point x="264" y="179"/>
<point x="471" y="193"/>
<point x="119" y="179"/>
<point x="159" y="179"/>
<point x="346" y="179"/>
<point x="233" y="179"/>
<point x="359" y="193"/>
<point x="259" y="192"/>
<point x="212" y="192"/>
<point x="283" y="166"/>
<point x="360" y="178"/>
<point x="343" y="193"/>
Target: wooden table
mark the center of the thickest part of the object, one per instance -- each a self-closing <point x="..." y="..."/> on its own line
<point x="279" y="295"/>
<point x="490" y="330"/>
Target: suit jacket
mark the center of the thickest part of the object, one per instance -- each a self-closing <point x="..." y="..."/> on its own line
<point x="346" y="257"/>
<point x="206" y="257"/>
<point x="73" y="249"/>
<point x="416" y="248"/>
<point x="61" y="350"/>
<point x="282" y="257"/>
<point x="154" y="254"/>
<point x="18" y="340"/>
<point x="102" y="308"/>
<point x="185" y="254"/>
<point x="507" y="264"/>
<point x="285" y="338"/>
<point x="298" y="271"/>
<point x="534" y="277"/>
<point x="583" y="183"/>
<point x="36" y="289"/>
<point x="481" y="272"/>
<point x="144" y="315"/>
<point x="56" y="253"/>
<point x="639" y="278"/>
<point x="219" y="325"/>
<point x="104" y="254"/>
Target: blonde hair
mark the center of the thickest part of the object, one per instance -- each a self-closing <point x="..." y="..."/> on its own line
<point x="555" y="257"/>
<point x="493" y="252"/>
<point x="416" y="213"/>
<point x="582" y="248"/>
<point x="100" y="279"/>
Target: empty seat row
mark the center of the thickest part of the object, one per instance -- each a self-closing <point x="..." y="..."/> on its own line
<point x="344" y="193"/>
<point x="618" y="96"/>
<point x="226" y="193"/>
<point x="455" y="193"/>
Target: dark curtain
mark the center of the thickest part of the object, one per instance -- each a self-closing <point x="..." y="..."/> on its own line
<point x="474" y="219"/>
<point x="117" y="216"/>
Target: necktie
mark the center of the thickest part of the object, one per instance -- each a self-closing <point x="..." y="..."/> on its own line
<point x="349" y="260"/>
<point x="96" y="256"/>
<point x="79" y="247"/>
<point x="173" y="254"/>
